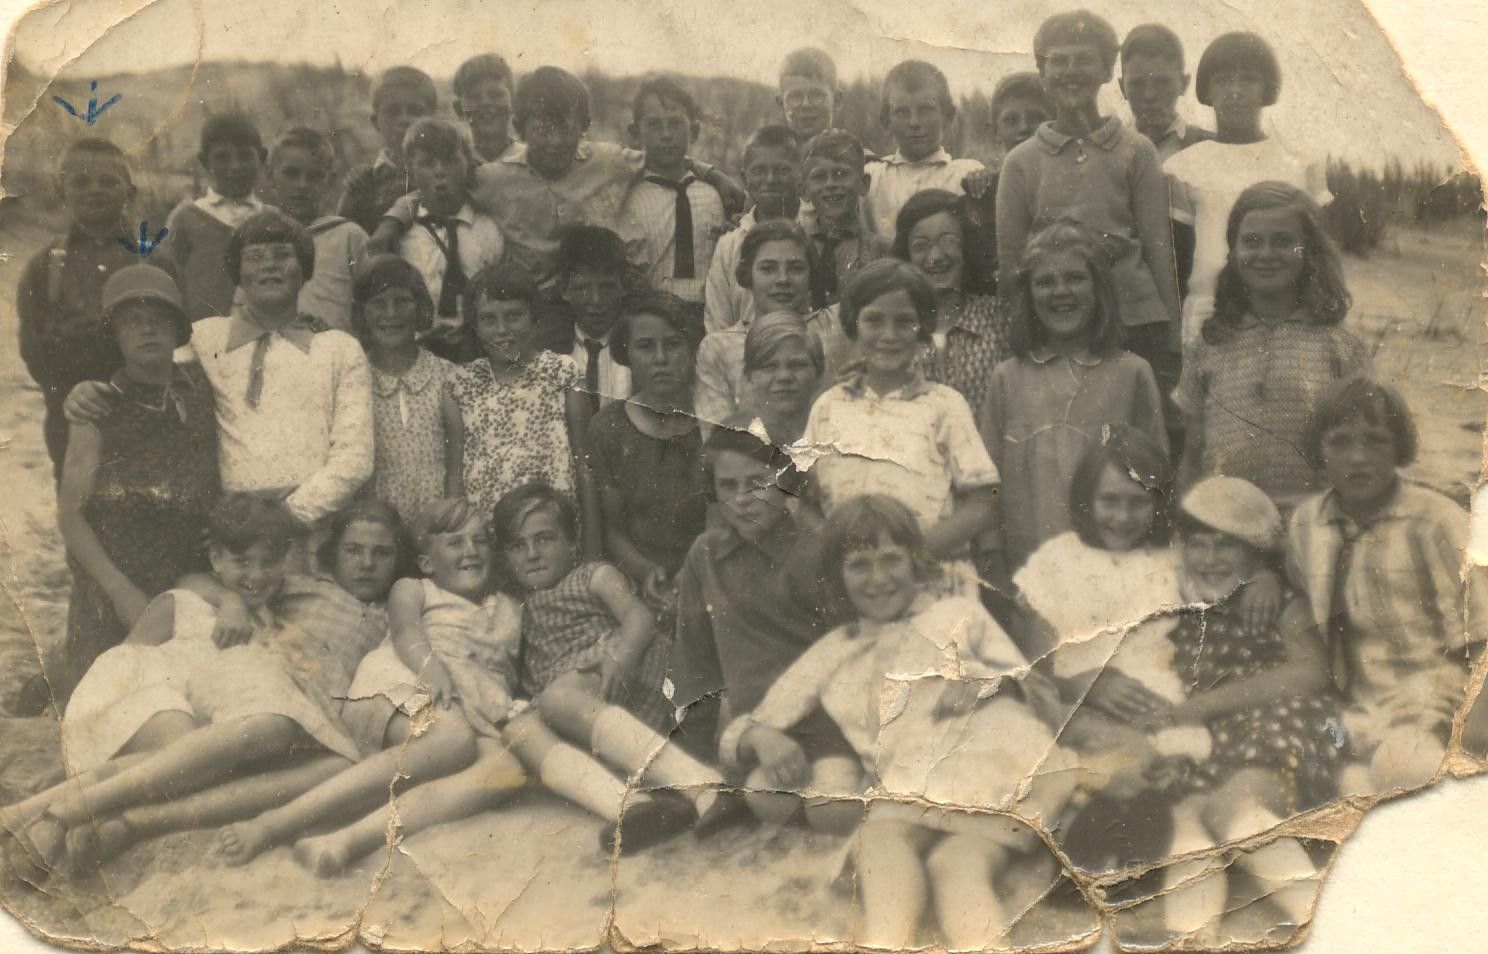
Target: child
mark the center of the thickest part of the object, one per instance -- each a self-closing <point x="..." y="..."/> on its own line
<point x="952" y="742"/>
<point x="917" y="109"/>
<point x="644" y="453"/>
<point x="1068" y="381"/>
<point x="776" y="266"/>
<point x="418" y="434"/>
<point x="200" y="229"/>
<point x="521" y="414"/>
<point x="402" y="96"/>
<point x="671" y="220"/>
<point x="1381" y="561"/>
<point x="1096" y="171"/>
<point x="450" y="241"/>
<point x="557" y="178"/>
<point x="1274" y="343"/>
<point x="594" y="275"/>
<point x="483" y="100"/>
<point x="808" y="94"/>
<point x="784" y="369"/>
<point x="1019" y="107"/>
<point x="888" y="430"/>
<point x="772" y="161"/>
<point x="1239" y="77"/>
<point x="59" y="301"/>
<point x="301" y="166"/>
<point x="833" y="185"/>
<point x="1153" y="80"/>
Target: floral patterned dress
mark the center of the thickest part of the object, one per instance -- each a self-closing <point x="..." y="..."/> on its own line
<point x="409" y="433"/>
<point x="515" y="431"/>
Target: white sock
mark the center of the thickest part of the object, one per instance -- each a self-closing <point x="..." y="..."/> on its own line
<point x="577" y="777"/>
<point x="628" y="743"/>
<point x="1286" y="870"/>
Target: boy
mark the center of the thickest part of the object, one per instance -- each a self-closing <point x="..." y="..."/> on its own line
<point x="772" y="176"/>
<point x="1380" y="560"/>
<point x="833" y="184"/>
<point x="483" y="100"/>
<point x="809" y="95"/>
<point x="60" y="299"/>
<point x="449" y="241"/>
<point x="1096" y="171"/>
<point x="232" y="154"/>
<point x="917" y="108"/>
<point x="1152" y="80"/>
<point x="671" y="221"/>
<point x="1019" y="108"/>
<point x="554" y="178"/>
<point x="294" y="398"/>
<point x="594" y="274"/>
<point x="300" y="173"/>
<point x="403" y="95"/>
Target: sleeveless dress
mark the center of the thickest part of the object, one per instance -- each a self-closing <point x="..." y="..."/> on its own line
<point x="566" y="629"/>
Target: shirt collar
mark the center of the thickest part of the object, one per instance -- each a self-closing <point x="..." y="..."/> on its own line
<point x="465" y="215"/>
<point x="857" y="385"/>
<point x="1332" y="510"/>
<point x="937" y="158"/>
<point x="1178" y="129"/>
<point x="1053" y="142"/>
<point x="242" y="330"/>
<point x="1044" y="355"/>
<point x="775" y="542"/>
<point x="217" y="200"/>
<point x="516" y="154"/>
<point x="384" y="160"/>
<point x="415" y="380"/>
<point x="581" y="336"/>
<point x="811" y="223"/>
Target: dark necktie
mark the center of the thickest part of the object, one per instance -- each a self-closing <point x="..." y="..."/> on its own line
<point x="453" y="285"/>
<point x="683" y="264"/>
<point x="593" y="346"/>
<point x="826" y="281"/>
<point x="1340" y="659"/>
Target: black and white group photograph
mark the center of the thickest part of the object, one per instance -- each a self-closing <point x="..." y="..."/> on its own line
<point x="726" y="477"/>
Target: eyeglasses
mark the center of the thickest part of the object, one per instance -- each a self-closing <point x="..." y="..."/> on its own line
<point x="805" y="97"/>
<point x="949" y="243"/>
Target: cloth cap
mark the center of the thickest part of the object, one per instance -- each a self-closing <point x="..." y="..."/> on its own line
<point x="1236" y="507"/>
<point x="145" y="283"/>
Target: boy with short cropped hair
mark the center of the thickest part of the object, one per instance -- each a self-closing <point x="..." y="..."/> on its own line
<point x="232" y="154"/>
<point x="808" y="94"/>
<point x="1153" y="80"/>
<point x="483" y="100"/>
<point x="59" y="303"/>
<point x="403" y="94"/>
<point x="450" y="241"/>
<point x="1019" y="107"/>
<point x="917" y="109"/>
<point x="833" y="184"/>
<point x="1092" y="169"/>
<point x="772" y="176"/>
<point x="301" y="173"/>
<point x="671" y="220"/>
<point x="594" y="276"/>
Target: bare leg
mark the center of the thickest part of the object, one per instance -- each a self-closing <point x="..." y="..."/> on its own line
<point x="494" y="777"/>
<point x="565" y="770"/>
<point x="836" y="775"/>
<point x="1197" y="889"/>
<point x="14" y="818"/>
<point x="448" y="745"/>
<point x="972" y="917"/>
<point x="230" y="802"/>
<point x="893" y="884"/>
<point x="1247" y="805"/>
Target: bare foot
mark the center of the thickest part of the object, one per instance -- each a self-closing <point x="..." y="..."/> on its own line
<point x="324" y="855"/>
<point x="45" y="841"/>
<point x="243" y="842"/>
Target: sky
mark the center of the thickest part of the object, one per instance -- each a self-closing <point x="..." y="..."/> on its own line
<point x="1345" y="92"/>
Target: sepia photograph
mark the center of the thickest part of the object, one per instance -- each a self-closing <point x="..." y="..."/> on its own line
<point x="490" y="477"/>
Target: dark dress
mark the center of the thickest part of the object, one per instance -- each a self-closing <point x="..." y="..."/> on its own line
<point x="1289" y="736"/>
<point x="156" y="480"/>
<point x="661" y="482"/>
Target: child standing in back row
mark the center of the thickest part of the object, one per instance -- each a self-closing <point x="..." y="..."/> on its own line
<point x="483" y="99"/>
<point x="403" y="95"/>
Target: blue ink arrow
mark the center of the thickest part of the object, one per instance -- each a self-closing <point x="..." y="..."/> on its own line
<point x="95" y="110"/>
<point x="145" y="246"/>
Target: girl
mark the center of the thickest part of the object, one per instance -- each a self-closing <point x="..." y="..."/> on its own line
<point x="1069" y="382"/>
<point x="136" y="485"/>
<point x="783" y="369"/>
<point x="953" y="742"/>
<point x="523" y="415"/>
<point x="970" y="337"/>
<point x="1239" y="77"/>
<point x="776" y="265"/>
<point x="887" y="430"/>
<point x="416" y="422"/>
<point x="1260" y="693"/>
<point x="645" y="453"/>
<point x="1273" y="345"/>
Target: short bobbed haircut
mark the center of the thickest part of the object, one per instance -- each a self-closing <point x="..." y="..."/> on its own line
<point x="1322" y="292"/>
<point x="774" y="230"/>
<point x="383" y="273"/>
<point x="1238" y="51"/>
<point x="239" y="521"/>
<point x="552" y="94"/>
<point x="769" y="333"/>
<point x="1376" y="402"/>
<point x="1154" y="40"/>
<point x="591" y="248"/>
<point x="269" y="227"/>
<point x="378" y="513"/>
<point x="925" y="204"/>
<point x="478" y="69"/>
<point x="912" y="76"/>
<point x="499" y="282"/>
<point x="1077" y="27"/>
<point x="884" y="277"/>
<point x="1066" y="235"/>
<point x="1136" y="454"/>
<point x="668" y="307"/>
<point x="442" y="515"/>
<point x="861" y="523"/>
